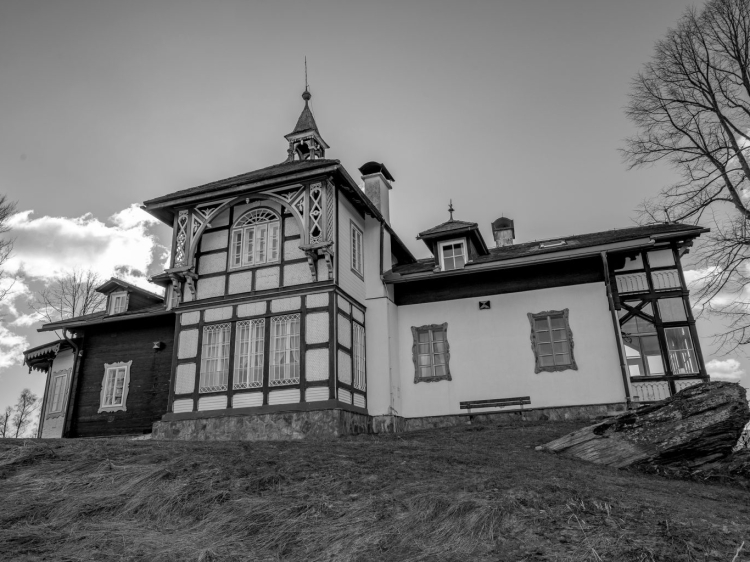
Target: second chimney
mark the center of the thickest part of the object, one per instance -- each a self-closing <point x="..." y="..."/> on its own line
<point x="503" y="232"/>
<point x="378" y="180"/>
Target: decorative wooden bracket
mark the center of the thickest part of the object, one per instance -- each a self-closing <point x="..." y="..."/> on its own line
<point x="177" y="275"/>
<point x="312" y="251"/>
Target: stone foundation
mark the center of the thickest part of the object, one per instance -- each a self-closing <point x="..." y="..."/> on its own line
<point x="285" y="426"/>
<point x="330" y="424"/>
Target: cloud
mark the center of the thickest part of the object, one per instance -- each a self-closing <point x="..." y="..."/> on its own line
<point x="728" y="370"/>
<point x="11" y="348"/>
<point x="123" y="246"/>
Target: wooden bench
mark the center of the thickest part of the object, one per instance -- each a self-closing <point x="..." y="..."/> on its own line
<point x="496" y="403"/>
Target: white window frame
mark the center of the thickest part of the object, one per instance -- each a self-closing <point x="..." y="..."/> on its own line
<point x="58" y="380"/>
<point x="357" y="244"/>
<point x="114" y="298"/>
<point x="247" y="228"/>
<point x="359" y="356"/>
<point x="111" y="372"/>
<point x="214" y="375"/>
<point x="249" y="356"/>
<point x="444" y="243"/>
<point x="284" y="367"/>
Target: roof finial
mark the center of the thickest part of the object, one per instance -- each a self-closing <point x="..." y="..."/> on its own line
<point x="306" y="94"/>
<point x="450" y="208"/>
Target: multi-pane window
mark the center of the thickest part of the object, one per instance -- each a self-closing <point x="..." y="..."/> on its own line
<point x="118" y="302"/>
<point x="682" y="357"/>
<point x="114" y="387"/>
<point x="215" y="358"/>
<point x="642" y="349"/>
<point x="552" y="341"/>
<point x="452" y="254"/>
<point x="285" y="341"/>
<point x="57" y="393"/>
<point x="256" y="238"/>
<point x="430" y="353"/>
<point x="357" y="261"/>
<point x="248" y="355"/>
<point x="358" y="347"/>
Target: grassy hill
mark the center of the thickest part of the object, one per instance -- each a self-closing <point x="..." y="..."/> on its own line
<point x="471" y="493"/>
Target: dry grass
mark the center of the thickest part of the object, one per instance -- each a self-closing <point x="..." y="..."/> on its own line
<point x="474" y="493"/>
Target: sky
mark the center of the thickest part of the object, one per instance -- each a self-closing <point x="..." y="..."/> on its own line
<point x="504" y="107"/>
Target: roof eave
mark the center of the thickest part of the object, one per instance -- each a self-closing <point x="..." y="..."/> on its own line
<point x="102" y="320"/>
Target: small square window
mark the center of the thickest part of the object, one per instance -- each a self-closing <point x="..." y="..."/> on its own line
<point x="452" y="254"/>
<point x="431" y="353"/>
<point x="118" y="302"/>
<point x="552" y="341"/>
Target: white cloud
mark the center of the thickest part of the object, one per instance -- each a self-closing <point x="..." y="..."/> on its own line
<point x="12" y="346"/>
<point x="728" y="370"/>
<point x="47" y="247"/>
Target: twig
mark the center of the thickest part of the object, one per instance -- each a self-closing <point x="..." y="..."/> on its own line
<point x="736" y="554"/>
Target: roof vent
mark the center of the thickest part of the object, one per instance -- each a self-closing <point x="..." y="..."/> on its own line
<point x="552" y="244"/>
<point x="503" y="232"/>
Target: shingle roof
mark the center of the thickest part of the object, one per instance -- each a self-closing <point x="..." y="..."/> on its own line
<point x="447" y="226"/>
<point x="114" y="282"/>
<point x="305" y="122"/>
<point x="102" y="317"/>
<point x="530" y="249"/>
<point x="249" y="177"/>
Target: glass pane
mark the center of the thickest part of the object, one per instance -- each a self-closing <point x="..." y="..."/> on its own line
<point x="648" y="309"/>
<point x="661" y="258"/>
<point x="249" y="240"/>
<point x="655" y="365"/>
<point x="423" y="336"/>
<point x="449" y="264"/>
<point x="652" y="352"/>
<point x="438" y="335"/>
<point x="423" y="348"/>
<point x="425" y="372"/>
<point x="558" y="322"/>
<point x="543" y="337"/>
<point x="440" y="371"/>
<point x="632" y="262"/>
<point x="440" y="346"/>
<point x="424" y="360"/>
<point x="545" y="349"/>
<point x="562" y="359"/>
<point x="546" y="361"/>
<point x="678" y="338"/>
<point x="635" y="367"/>
<point x="439" y="359"/>
<point x="561" y="347"/>
<point x="459" y="260"/>
<point x="261" y="233"/>
<point x="540" y="324"/>
<point x="672" y="310"/>
<point x="559" y="335"/>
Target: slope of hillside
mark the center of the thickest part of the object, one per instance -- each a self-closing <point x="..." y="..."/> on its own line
<point x="469" y="493"/>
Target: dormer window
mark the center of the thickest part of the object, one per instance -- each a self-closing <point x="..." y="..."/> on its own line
<point x="452" y="254"/>
<point x="118" y="302"/>
<point x="255" y="238"/>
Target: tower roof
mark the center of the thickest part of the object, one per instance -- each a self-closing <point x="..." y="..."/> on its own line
<point x="306" y="121"/>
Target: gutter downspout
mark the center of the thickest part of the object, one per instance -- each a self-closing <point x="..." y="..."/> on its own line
<point x="616" y="327"/>
<point x="77" y="352"/>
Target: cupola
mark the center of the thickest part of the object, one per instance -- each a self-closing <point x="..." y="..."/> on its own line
<point x="305" y="142"/>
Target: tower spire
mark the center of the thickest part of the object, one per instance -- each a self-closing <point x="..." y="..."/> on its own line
<point x="305" y="141"/>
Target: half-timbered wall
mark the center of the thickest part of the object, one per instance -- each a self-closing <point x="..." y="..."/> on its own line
<point x="148" y="381"/>
<point x="327" y="371"/>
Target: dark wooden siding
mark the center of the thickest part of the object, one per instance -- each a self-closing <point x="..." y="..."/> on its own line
<point x="511" y="280"/>
<point x="149" y="376"/>
<point x="137" y="302"/>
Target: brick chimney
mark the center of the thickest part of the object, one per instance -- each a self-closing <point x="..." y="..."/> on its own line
<point x="378" y="180"/>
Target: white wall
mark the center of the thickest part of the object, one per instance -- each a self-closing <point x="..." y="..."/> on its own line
<point x="348" y="280"/>
<point x="491" y="354"/>
<point x="53" y="426"/>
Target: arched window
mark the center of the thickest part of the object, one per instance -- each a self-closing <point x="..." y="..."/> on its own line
<point x="255" y="238"/>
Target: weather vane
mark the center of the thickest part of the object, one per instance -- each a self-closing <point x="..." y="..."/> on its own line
<point x="450" y="208"/>
<point x="306" y="86"/>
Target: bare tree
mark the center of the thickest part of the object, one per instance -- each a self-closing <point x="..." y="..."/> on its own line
<point x="23" y="413"/>
<point x="73" y="294"/>
<point x="7" y="208"/>
<point x="691" y="105"/>
<point x="5" y="422"/>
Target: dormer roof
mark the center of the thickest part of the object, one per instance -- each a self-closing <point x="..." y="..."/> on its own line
<point x="115" y="284"/>
<point x="452" y="229"/>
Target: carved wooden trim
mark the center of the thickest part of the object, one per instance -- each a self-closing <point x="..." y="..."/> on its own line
<point x="125" y="388"/>
<point x="551" y="368"/>
<point x="415" y="330"/>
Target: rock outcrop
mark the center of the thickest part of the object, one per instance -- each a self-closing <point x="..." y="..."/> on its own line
<point x="695" y="427"/>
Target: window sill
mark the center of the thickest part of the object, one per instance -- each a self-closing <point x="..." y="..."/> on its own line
<point x="110" y="409"/>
